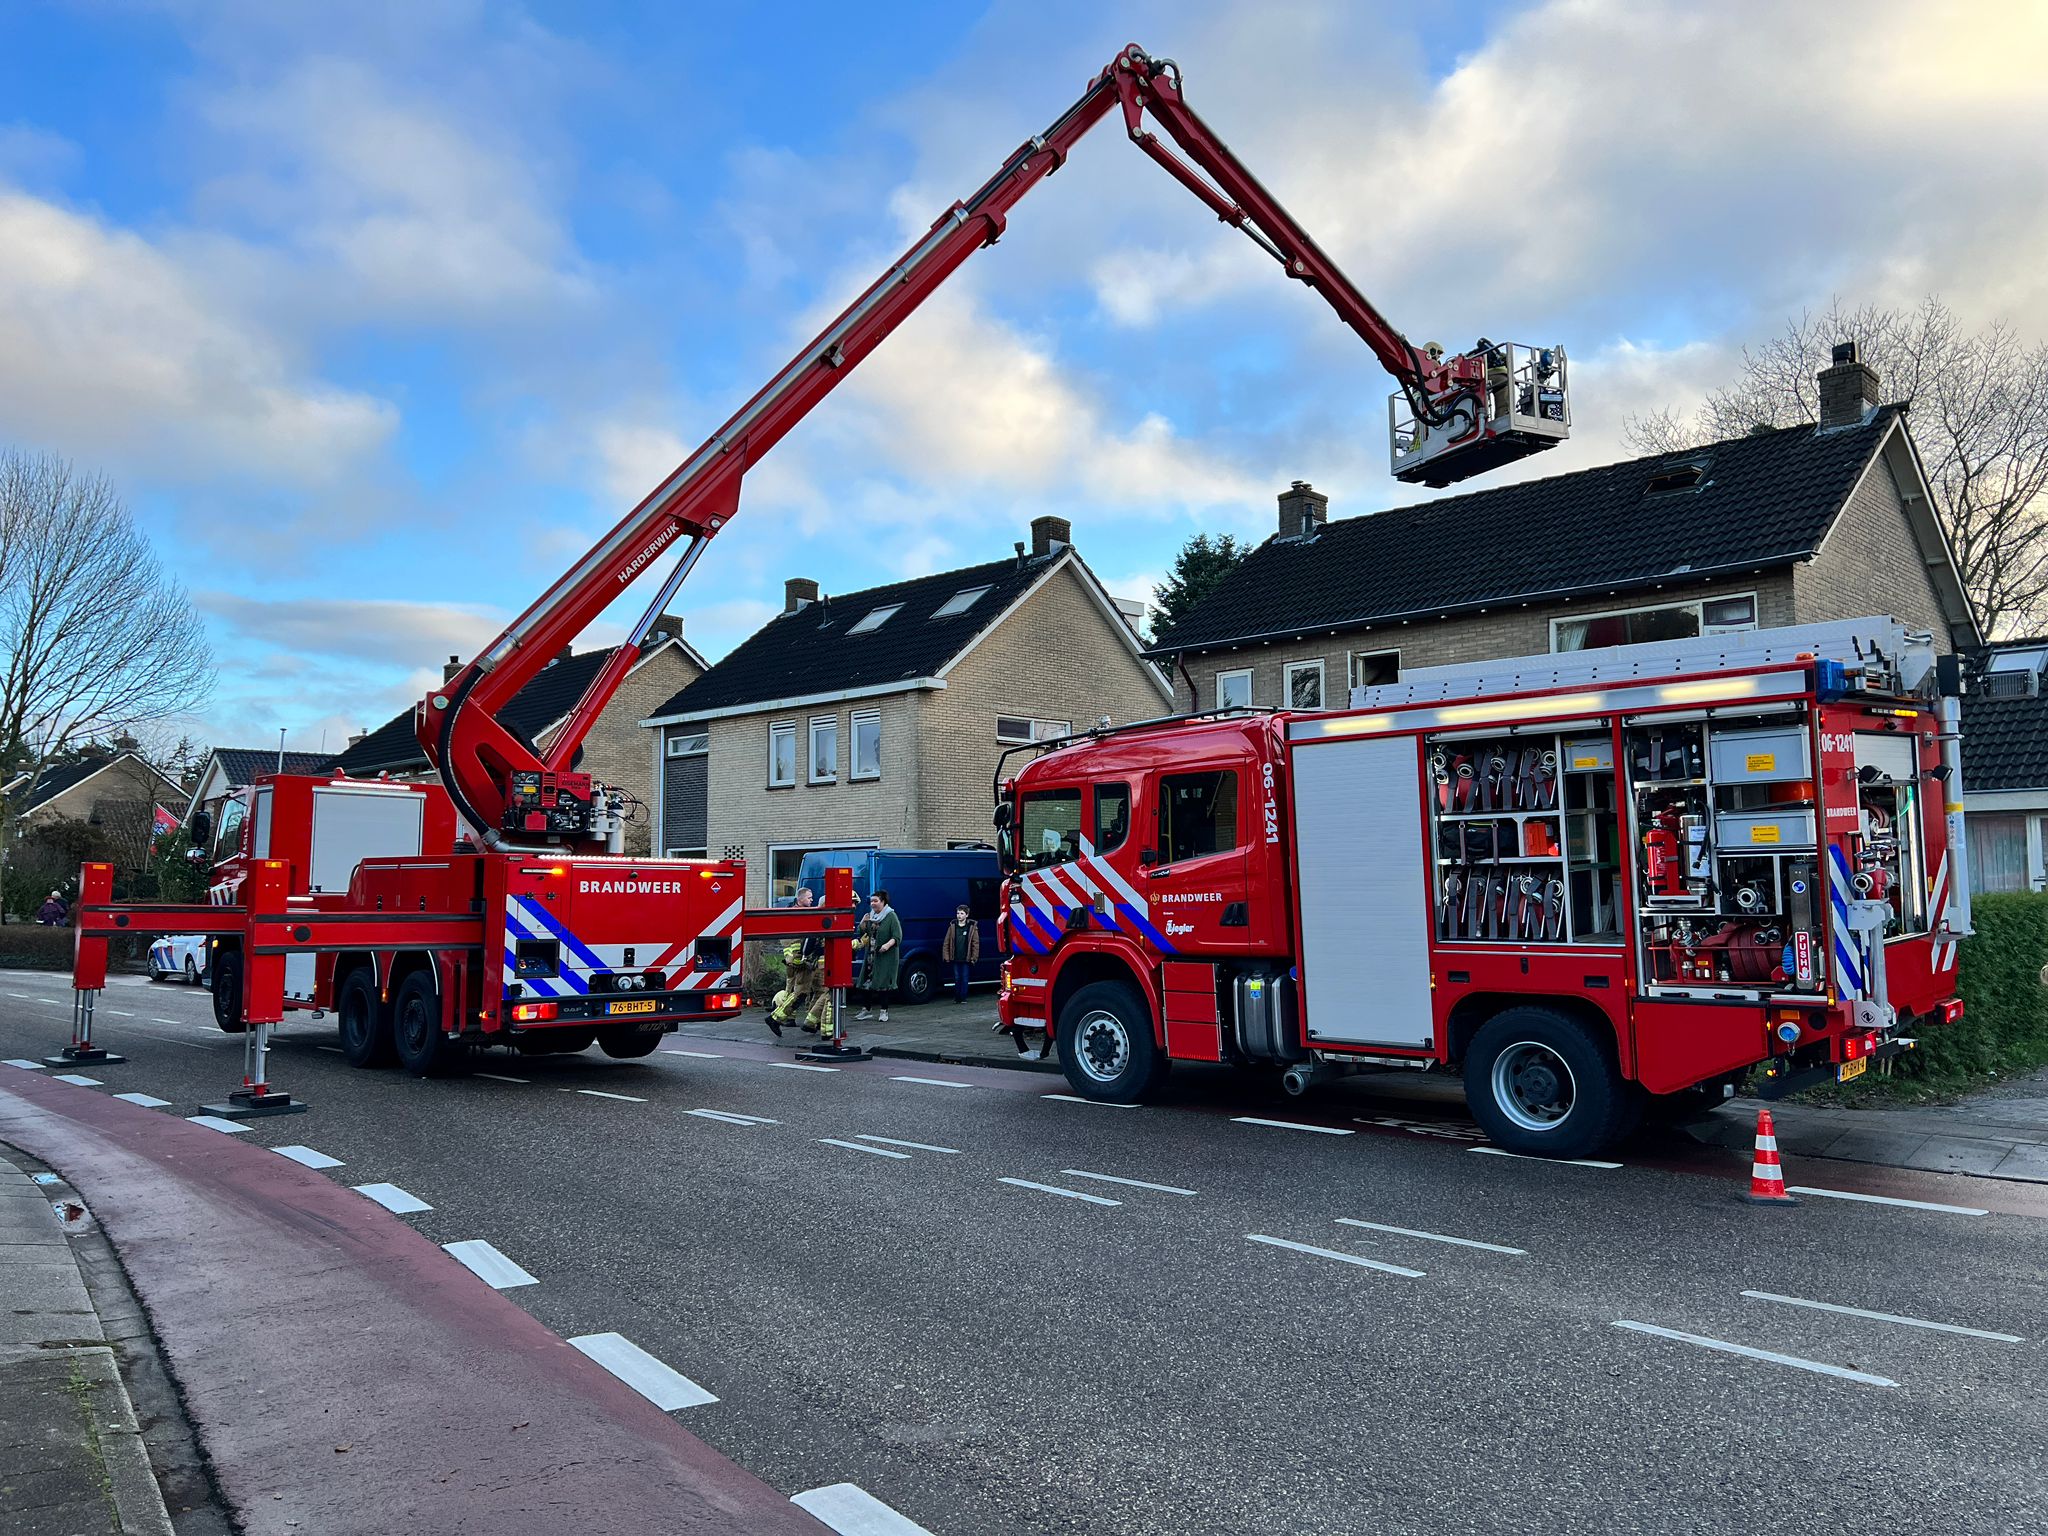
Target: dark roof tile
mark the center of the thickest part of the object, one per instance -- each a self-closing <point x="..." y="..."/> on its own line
<point x="392" y="748"/>
<point x="2005" y="743"/>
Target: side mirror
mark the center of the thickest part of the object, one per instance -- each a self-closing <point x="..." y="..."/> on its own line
<point x="1003" y="814"/>
<point x="199" y="827"/>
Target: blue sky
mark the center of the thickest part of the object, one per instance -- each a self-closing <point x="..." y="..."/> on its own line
<point x="378" y="315"/>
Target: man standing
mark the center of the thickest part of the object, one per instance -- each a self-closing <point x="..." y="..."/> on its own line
<point x="54" y="912"/>
<point x="961" y="948"/>
<point x="805" y="960"/>
<point x="885" y="954"/>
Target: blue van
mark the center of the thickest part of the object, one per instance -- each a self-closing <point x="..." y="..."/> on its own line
<point x="924" y="886"/>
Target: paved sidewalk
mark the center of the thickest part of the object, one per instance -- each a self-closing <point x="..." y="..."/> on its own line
<point x="1997" y="1138"/>
<point x="72" y="1459"/>
<point x="940" y="1031"/>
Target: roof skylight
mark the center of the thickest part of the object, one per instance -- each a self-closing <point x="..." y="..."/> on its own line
<point x="959" y="602"/>
<point x="875" y="619"/>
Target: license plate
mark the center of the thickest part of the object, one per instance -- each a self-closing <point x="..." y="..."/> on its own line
<point x="1849" y="1069"/>
<point x="638" y="1005"/>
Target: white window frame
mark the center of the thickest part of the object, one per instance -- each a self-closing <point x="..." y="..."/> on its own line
<point x="1243" y="672"/>
<point x="1287" y="682"/>
<point x="676" y="740"/>
<point x="965" y="598"/>
<point x="685" y="853"/>
<point x="854" y="722"/>
<point x="811" y="774"/>
<point x="777" y="728"/>
<point x="1696" y="604"/>
<point x="1041" y="730"/>
<point x="1351" y="665"/>
<point x="875" y="618"/>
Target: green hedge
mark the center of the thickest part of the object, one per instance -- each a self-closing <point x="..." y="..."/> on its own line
<point x="2004" y="1028"/>
<point x="32" y="947"/>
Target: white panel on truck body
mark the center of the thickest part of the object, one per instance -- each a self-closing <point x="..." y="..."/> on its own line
<point x="1364" y="892"/>
<point x="350" y="825"/>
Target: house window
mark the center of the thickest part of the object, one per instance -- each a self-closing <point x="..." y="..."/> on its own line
<point x="1112" y="816"/>
<point x="960" y="602"/>
<point x="683" y="853"/>
<point x="867" y="744"/>
<point x="1667" y="621"/>
<point x="782" y="754"/>
<point x="689" y="743"/>
<point x="1234" y="689"/>
<point x="786" y="863"/>
<point x="824" y="754"/>
<point x="875" y="619"/>
<point x="1374" y="669"/>
<point x="1018" y="731"/>
<point x="1197" y="814"/>
<point x="1305" y="685"/>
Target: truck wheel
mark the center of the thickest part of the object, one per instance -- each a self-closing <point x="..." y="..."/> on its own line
<point x="423" y="1048"/>
<point x="625" y="1043"/>
<point x="1540" y="1083"/>
<point x="365" y="1023"/>
<point x="920" y="981"/>
<point x="1106" y="1045"/>
<point x="227" y="991"/>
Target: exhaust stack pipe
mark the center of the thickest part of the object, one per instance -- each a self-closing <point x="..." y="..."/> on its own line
<point x="1304" y="1075"/>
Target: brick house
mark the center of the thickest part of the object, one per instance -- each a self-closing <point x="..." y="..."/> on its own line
<point x="88" y="789"/>
<point x="875" y="718"/>
<point x="1792" y="526"/>
<point x="2005" y="768"/>
<point x="615" y="751"/>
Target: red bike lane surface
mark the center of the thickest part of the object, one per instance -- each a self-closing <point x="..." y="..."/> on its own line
<point x="347" y="1376"/>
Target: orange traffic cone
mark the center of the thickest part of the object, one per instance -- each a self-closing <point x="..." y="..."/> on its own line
<point x="1766" y="1177"/>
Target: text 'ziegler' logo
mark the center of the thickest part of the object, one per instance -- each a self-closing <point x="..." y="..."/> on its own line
<point x="660" y="542"/>
<point x="631" y="887"/>
<point x="1173" y="928"/>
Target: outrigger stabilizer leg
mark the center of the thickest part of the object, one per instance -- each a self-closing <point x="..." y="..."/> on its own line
<point x="81" y="1052"/>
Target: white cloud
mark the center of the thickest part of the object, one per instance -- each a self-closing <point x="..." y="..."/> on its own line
<point x="380" y="632"/>
<point x="110" y="347"/>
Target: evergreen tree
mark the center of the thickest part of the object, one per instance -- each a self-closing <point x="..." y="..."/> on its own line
<point x="1197" y="571"/>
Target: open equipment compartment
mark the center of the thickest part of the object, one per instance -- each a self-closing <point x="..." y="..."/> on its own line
<point x="1723" y="821"/>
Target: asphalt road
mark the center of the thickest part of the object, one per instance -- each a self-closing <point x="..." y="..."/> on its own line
<point x="989" y="1356"/>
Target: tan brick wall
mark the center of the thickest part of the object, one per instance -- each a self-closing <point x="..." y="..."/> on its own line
<point x="1870" y="563"/>
<point x="1057" y="657"/>
<point x="128" y="780"/>
<point x="619" y="750"/>
<point x="1521" y="631"/>
<point x="745" y="813"/>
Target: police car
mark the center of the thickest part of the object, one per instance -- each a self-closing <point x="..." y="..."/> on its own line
<point x="179" y="955"/>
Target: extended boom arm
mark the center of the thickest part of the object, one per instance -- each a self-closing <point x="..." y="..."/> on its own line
<point x="457" y="724"/>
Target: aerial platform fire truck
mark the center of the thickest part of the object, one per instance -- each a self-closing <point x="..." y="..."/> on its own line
<point x="496" y="907"/>
<point x="1590" y="881"/>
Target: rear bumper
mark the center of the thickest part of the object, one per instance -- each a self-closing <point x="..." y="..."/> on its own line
<point x="670" y="1008"/>
<point x="1796" y="1080"/>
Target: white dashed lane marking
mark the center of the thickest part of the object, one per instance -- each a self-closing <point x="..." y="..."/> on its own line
<point x="1054" y="1189"/>
<point x="1430" y="1237"/>
<point x="599" y="1093"/>
<point x="307" y="1157"/>
<point x="1110" y="1178"/>
<point x="702" y="1055"/>
<point x="1075" y="1098"/>
<point x="1723" y="1346"/>
<point x="392" y="1198"/>
<point x="145" y="1100"/>
<point x="79" y="1078"/>
<point x="489" y="1265"/>
<point x="1332" y="1253"/>
<point x="662" y="1385"/>
<point x="1572" y="1162"/>
<point x="1915" y="1205"/>
<point x="920" y="1146"/>
<point x="216" y="1123"/>
<point x="1294" y="1125"/>
<point x="726" y="1117"/>
<point x="931" y="1082"/>
<point x="499" y="1077"/>
<point x="853" y="1511"/>
<point x="854" y="1146"/>
<point x="24" y="1063"/>
<point x="1885" y="1317"/>
<point x="801" y="1066"/>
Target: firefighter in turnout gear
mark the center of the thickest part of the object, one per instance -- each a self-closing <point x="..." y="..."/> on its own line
<point x="804" y="991"/>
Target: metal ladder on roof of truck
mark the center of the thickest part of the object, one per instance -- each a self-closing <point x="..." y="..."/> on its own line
<point x="1845" y="640"/>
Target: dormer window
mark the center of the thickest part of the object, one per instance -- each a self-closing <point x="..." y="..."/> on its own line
<point x="960" y="602"/>
<point x="1680" y="477"/>
<point x="875" y="619"/>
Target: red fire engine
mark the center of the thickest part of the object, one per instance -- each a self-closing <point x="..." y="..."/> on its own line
<point x="496" y="907"/>
<point x="1590" y="881"/>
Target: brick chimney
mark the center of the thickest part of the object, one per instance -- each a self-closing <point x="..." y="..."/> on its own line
<point x="1050" y="535"/>
<point x="798" y="592"/>
<point x="1848" y="388"/>
<point x="666" y="627"/>
<point x="1303" y="509"/>
<point x="448" y="671"/>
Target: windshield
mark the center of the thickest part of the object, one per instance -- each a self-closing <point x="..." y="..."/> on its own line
<point x="1048" y="828"/>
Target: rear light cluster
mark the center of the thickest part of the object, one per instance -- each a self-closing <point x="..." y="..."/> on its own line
<point x="531" y="1013"/>
<point x="726" y="1001"/>
<point x="1951" y="1010"/>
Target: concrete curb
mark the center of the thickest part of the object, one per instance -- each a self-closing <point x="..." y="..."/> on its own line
<point x="344" y="1374"/>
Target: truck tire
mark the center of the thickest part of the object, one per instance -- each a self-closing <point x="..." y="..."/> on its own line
<point x="227" y="991"/>
<point x="626" y="1042"/>
<point x="1106" y="1045"/>
<point x="364" y="1020"/>
<point x="424" y="1049"/>
<point x="1544" y="1084"/>
<point x="920" y="980"/>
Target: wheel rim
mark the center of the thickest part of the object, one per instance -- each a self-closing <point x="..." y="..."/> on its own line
<point x="1534" y="1086"/>
<point x="1102" y="1046"/>
<point x="918" y="985"/>
<point x="413" y="1024"/>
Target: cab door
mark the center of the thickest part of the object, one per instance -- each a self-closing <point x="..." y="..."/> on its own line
<point x="1194" y="873"/>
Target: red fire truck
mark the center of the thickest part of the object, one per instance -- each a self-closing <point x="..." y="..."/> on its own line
<point x="495" y="907"/>
<point x="1590" y="881"/>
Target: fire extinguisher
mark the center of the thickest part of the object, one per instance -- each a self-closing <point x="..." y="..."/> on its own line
<point x="1665" y="874"/>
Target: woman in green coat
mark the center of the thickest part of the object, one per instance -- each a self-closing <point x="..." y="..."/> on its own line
<point x="885" y="955"/>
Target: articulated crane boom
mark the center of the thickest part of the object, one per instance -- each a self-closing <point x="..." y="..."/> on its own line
<point x="1453" y="416"/>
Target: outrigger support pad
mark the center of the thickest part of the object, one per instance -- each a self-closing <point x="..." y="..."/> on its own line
<point x="256" y="1098"/>
<point x="81" y="1052"/>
